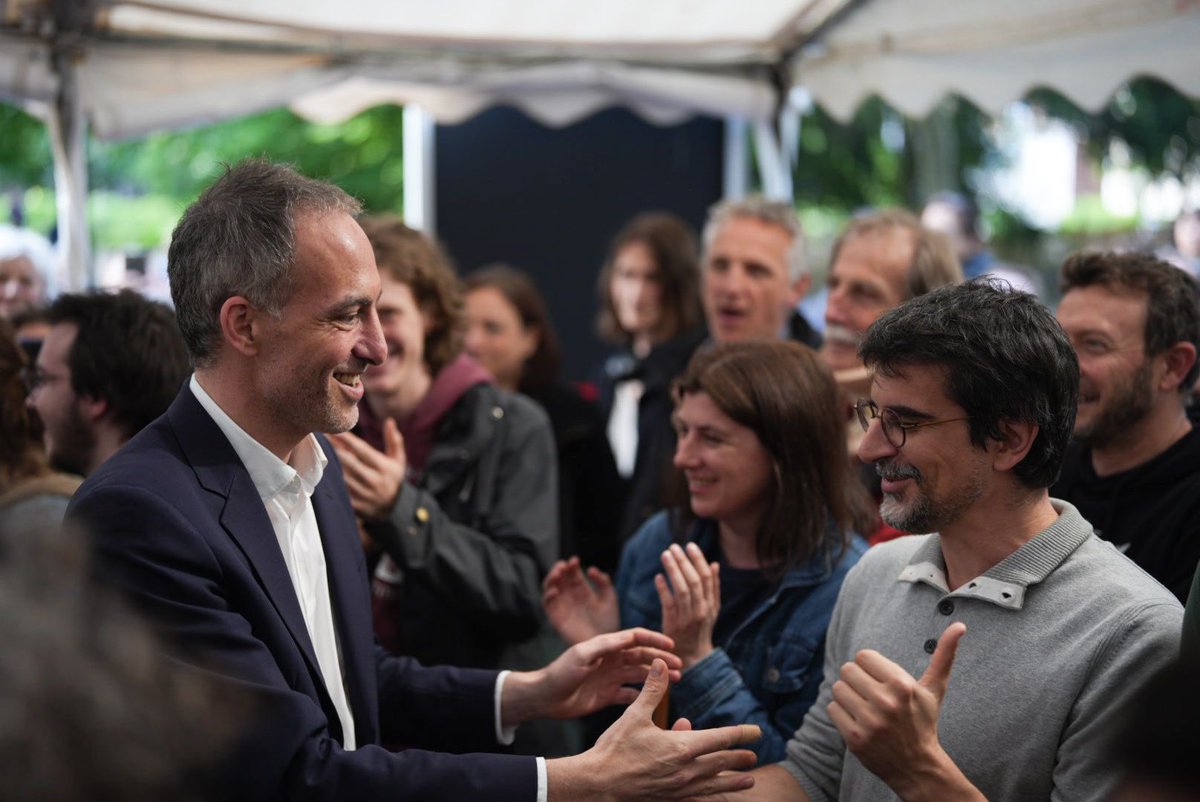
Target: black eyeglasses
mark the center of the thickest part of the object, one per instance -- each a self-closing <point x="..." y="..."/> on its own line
<point x="35" y="378"/>
<point x="895" y="431"/>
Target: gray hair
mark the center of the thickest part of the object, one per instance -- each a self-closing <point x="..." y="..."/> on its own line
<point x="756" y="207"/>
<point x="17" y="243"/>
<point x="239" y="238"/>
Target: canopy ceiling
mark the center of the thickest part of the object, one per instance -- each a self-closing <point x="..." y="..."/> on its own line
<point x="120" y="68"/>
<point x="147" y="64"/>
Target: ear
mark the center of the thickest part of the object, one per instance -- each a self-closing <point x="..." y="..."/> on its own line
<point x="1177" y="360"/>
<point x="531" y="338"/>
<point x="241" y="325"/>
<point x="799" y="289"/>
<point x="1014" y="442"/>
<point x="92" y="409"/>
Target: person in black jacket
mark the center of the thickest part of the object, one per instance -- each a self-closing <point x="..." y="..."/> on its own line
<point x="462" y="501"/>
<point x="509" y="333"/>
<point x="1134" y="468"/>
<point x="649" y="294"/>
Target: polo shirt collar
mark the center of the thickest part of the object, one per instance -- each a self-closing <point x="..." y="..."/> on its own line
<point x="1005" y="583"/>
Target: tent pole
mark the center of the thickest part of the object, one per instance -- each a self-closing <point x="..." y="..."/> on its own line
<point x="68" y="137"/>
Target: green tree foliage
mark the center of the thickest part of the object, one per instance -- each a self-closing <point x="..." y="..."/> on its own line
<point x="24" y="150"/>
<point x="1160" y="126"/>
<point x="361" y="155"/>
<point x="870" y="161"/>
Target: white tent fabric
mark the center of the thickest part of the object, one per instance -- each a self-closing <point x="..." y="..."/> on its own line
<point x="125" y="67"/>
<point x="173" y="63"/>
<point x="915" y="52"/>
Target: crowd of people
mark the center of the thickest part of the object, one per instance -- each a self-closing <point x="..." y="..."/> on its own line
<point x="935" y="543"/>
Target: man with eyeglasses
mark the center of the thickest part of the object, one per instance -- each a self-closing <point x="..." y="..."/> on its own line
<point x="989" y="659"/>
<point x="110" y="364"/>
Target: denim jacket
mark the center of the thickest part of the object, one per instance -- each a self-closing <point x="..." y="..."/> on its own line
<point x="770" y="668"/>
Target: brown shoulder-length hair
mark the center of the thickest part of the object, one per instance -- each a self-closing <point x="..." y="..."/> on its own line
<point x="418" y="261"/>
<point x="21" y="455"/>
<point x="672" y="244"/>
<point x="787" y="396"/>
<point x="541" y="368"/>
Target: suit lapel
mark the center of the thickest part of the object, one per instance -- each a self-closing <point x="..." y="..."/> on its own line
<point x="349" y="590"/>
<point x="219" y="470"/>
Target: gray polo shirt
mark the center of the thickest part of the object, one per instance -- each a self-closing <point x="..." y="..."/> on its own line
<point x="1058" y="635"/>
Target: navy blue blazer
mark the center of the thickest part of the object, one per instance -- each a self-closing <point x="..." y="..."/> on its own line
<point x="178" y="525"/>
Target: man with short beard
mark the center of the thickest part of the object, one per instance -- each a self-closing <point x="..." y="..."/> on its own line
<point x="989" y="659"/>
<point x="1134" y="469"/>
<point x="110" y="364"/>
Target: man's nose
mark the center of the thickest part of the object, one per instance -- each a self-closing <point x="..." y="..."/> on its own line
<point x="372" y="346"/>
<point x="874" y="446"/>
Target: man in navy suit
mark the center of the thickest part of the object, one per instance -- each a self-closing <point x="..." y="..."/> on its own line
<point x="227" y="521"/>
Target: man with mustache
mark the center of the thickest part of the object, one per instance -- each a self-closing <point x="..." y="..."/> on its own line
<point x="989" y="659"/>
<point x="1134" y="468"/>
<point x="882" y="259"/>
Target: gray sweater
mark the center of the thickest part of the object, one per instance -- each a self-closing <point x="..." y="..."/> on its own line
<point x="1058" y="635"/>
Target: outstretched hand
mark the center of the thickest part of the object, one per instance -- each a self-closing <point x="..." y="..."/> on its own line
<point x="579" y="607"/>
<point x="889" y="719"/>
<point x="690" y="596"/>
<point x="373" y="478"/>
<point x="588" y="676"/>
<point x="635" y="760"/>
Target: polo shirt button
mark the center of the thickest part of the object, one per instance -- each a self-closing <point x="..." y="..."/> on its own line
<point x="773" y="675"/>
<point x="945" y="607"/>
<point x="930" y="646"/>
<point x="422" y="515"/>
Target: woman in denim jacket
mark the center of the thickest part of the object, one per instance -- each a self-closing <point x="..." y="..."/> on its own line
<point x="746" y="579"/>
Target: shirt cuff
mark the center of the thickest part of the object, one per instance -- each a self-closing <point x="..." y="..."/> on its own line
<point x="504" y="735"/>
<point x="541" y="772"/>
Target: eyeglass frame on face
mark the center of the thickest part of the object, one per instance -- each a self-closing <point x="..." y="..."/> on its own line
<point x="36" y="378"/>
<point x="890" y="423"/>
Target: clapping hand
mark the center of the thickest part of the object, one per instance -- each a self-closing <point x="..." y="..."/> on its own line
<point x="579" y="607"/>
<point x="373" y="478"/>
<point x="690" y="595"/>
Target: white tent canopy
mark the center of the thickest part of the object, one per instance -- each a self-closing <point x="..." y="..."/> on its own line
<point x="915" y="52"/>
<point x="124" y="67"/>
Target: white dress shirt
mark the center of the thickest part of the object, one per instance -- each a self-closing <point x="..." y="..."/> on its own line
<point x="286" y="490"/>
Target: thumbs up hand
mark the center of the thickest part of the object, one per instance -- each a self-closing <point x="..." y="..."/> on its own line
<point x="889" y="719"/>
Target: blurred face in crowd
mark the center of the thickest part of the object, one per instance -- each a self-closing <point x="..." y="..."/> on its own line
<point x="636" y="290"/>
<point x="1107" y="330"/>
<point x="313" y="355"/>
<point x="404" y="371"/>
<point x="21" y="286"/>
<point x="497" y="337"/>
<point x="727" y="468"/>
<point x="867" y="279"/>
<point x="67" y="433"/>
<point x="747" y="292"/>
<point x="938" y="473"/>
<point x="944" y="219"/>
